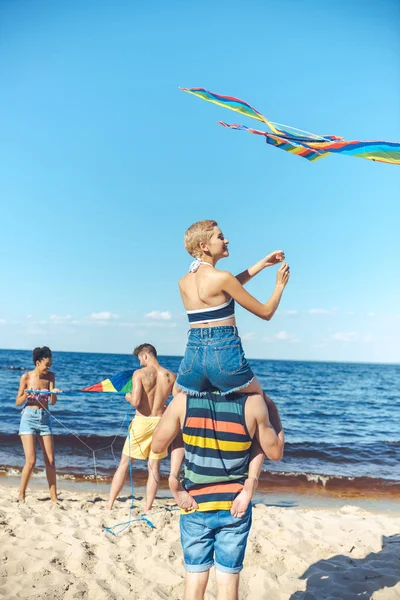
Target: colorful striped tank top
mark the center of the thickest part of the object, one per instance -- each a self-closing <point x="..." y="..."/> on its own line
<point x="217" y="449"/>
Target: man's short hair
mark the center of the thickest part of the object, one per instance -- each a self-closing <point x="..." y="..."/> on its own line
<point x="196" y="234"/>
<point x="39" y="354"/>
<point x="147" y="348"/>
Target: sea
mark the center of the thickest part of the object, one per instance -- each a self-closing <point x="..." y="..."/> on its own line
<point x="341" y="422"/>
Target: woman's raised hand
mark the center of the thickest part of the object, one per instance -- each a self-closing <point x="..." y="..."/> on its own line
<point x="274" y="258"/>
<point x="283" y="274"/>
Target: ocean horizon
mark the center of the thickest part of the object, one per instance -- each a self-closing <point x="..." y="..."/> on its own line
<point x="180" y="356"/>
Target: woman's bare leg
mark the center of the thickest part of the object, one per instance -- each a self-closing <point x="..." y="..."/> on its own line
<point x="242" y="501"/>
<point x="181" y="496"/>
<point x="47" y="446"/>
<point x="28" y="444"/>
<point x="254" y="387"/>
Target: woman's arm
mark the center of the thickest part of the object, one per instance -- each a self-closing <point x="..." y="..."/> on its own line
<point x="231" y="286"/>
<point x="53" y="397"/>
<point x="272" y="259"/>
<point x="22" y="395"/>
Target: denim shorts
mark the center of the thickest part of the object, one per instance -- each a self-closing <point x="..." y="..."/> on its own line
<point x="35" y="421"/>
<point x="214" y="361"/>
<point x="214" y="538"/>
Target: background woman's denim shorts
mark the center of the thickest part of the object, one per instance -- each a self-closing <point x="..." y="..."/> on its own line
<point x="214" y="361"/>
<point x="35" y="421"/>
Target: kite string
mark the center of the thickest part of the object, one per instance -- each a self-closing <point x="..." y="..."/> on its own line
<point x="69" y="393"/>
<point x="82" y="441"/>
<point x="313" y="135"/>
<point x="126" y="524"/>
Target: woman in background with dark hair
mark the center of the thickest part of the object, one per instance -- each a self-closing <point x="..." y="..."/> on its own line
<point x="35" y="419"/>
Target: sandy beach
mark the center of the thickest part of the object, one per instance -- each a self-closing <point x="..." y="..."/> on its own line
<point x="63" y="551"/>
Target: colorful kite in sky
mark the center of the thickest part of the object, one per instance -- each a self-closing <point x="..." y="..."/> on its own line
<point x="121" y="383"/>
<point x="308" y="145"/>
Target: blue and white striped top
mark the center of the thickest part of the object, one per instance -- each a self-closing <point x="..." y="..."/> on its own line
<point x="214" y="313"/>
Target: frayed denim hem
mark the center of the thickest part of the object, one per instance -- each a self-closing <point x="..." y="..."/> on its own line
<point x="240" y="387"/>
<point x="195" y="393"/>
<point x="198" y="394"/>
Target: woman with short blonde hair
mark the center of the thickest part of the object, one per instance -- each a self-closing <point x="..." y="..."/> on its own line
<point x="214" y="359"/>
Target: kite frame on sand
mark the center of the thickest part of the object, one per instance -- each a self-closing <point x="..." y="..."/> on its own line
<point x="296" y="141"/>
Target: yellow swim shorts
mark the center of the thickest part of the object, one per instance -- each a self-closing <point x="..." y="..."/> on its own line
<point x="140" y="437"/>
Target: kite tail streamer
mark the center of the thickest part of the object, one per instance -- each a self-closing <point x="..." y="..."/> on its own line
<point x="235" y="104"/>
<point x="302" y="143"/>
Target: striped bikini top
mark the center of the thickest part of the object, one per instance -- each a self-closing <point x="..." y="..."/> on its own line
<point x="217" y="449"/>
<point x="35" y="399"/>
<point x="213" y="313"/>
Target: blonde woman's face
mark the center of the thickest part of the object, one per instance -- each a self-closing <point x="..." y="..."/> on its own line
<point x="217" y="244"/>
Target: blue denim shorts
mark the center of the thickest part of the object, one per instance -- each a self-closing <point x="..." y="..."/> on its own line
<point x="214" y="361"/>
<point x="214" y="538"/>
<point x="35" y="421"/>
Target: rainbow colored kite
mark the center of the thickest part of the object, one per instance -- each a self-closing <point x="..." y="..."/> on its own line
<point x="305" y="144"/>
<point x="120" y="383"/>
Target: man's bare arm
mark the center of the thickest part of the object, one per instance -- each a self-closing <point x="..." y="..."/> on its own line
<point x="271" y="443"/>
<point x="135" y="396"/>
<point x="273" y="414"/>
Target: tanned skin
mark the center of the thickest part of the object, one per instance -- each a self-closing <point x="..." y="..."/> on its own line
<point x="151" y="387"/>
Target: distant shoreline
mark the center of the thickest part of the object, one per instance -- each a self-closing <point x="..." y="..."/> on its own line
<point x="300" y="498"/>
<point x="321" y="489"/>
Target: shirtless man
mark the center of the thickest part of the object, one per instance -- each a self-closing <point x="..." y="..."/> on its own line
<point x="151" y="386"/>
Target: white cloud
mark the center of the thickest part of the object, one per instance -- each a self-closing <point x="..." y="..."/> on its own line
<point x="2" y="321"/>
<point x="288" y="312"/>
<point x="322" y="311"/>
<point x="103" y="316"/>
<point x="371" y="314"/>
<point x="157" y="315"/>
<point x="283" y="336"/>
<point x="28" y="317"/>
<point x="59" y="318"/>
<point x="345" y="336"/>
<point x="35" y="331"/>
<point x="160" y="324"/>
<point x="248" y="336"/>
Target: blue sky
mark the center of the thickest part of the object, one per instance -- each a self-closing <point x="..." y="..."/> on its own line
<point x="105" y="163"/>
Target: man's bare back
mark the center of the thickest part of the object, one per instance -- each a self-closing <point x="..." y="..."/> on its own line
<point x="152" y="385"/>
